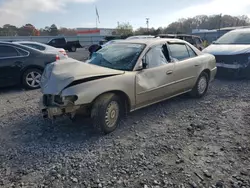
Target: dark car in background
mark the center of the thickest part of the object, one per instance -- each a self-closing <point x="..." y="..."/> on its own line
<point x="95" y="47"/>
<point x="232" y="53"/>
<point x="22" y="65"/>
<point x="192" y="39"/>
<point x="61" y="42"/>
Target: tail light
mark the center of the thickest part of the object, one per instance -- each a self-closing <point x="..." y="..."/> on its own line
<point x="57" y="57"/>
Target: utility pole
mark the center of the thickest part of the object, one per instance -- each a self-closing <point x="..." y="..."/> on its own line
<point x="219" y="25"/>
<point x="147" y="22"/>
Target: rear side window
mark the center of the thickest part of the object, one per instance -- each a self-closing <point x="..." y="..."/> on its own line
<point x="191" y="51"/>
<point x="198" y="41"/>
<point x="190" y="40"/>
<point x="36" y="46"/>
<point x="8" y="51"/>
<point x="22" y="52"/>
<point x="179" y="51"/>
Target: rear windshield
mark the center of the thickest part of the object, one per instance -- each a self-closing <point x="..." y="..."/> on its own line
<point x="234" y="38"/>
<point x="119" y="56"/>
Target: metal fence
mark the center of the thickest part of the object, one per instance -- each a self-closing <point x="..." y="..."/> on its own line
<point x="85" y="41"/>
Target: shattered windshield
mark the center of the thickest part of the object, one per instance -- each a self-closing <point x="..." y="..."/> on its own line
<point x="234" y="38"/>
<point x="119" y="56"/>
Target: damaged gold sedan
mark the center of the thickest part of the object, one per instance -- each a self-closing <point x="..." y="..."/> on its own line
<point x="123" y="77"/>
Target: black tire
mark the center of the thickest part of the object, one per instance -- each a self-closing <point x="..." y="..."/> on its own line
<point x="101" y="111"/>
<point x="73" y="49"/>
<point x="28" y="84"/>
<point x="198" y="92"/>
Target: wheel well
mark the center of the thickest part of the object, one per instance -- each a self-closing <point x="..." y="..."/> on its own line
<point x="30" y="67"/>
<point x="123" y="96"/>
<point x="208" y="73"/>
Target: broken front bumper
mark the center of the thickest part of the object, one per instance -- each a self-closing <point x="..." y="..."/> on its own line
<point x="52" y="112"/>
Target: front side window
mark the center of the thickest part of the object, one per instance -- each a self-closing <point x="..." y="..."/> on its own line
<point x="157" y="56"/>
<point x="8" y="51"/>
<point x="179" y="51"/>
<point x="119" y="56"/>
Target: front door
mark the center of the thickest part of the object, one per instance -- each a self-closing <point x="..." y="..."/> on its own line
<point x="153" y="83"/>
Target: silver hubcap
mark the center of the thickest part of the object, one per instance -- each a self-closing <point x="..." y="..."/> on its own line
<point x="202" y="85"/>
<point x="33" y="79"/>
<point x="112" y="114"/>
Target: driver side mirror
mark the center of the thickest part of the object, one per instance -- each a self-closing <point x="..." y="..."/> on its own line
<point x="143" y="65"/>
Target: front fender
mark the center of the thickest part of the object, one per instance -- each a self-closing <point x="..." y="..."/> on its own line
<point x="87" y="92"/>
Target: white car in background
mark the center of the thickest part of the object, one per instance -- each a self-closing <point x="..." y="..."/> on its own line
<point x="141" y="37"/>
<point x="45" y="48"/>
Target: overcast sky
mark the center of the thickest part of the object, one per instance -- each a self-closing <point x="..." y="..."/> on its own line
<point x="81" y="13"/>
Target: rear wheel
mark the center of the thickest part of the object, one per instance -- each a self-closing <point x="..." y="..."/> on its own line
<point x="31" y="78"/>
<point x="106" y="112"/>
<point x="201" y="86"/>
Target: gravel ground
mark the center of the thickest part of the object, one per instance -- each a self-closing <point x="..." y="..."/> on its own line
<point x="182" y="142"/>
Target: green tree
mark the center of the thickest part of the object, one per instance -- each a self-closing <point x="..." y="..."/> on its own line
<point x="124" y="29"/>
<point x="185" y="25"/>
<point x="53" y="30"/>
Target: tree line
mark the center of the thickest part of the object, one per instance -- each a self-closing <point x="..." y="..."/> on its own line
<point x="31" y="30"/>
<point x="184" y="25"/>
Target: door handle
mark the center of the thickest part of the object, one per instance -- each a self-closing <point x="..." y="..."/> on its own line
<point x="169" y="72"/>
<point x="197" y="65"/>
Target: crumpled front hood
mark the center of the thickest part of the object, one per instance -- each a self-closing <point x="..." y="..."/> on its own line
<point x="223" y="49"/>
<point x="60" y="74"/>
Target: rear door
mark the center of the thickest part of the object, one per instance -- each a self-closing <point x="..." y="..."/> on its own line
<point x="11" y="62"/>
<point x="186" y="66"/>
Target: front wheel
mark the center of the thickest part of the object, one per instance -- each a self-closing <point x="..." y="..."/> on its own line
<point x="201" y="86"/>
<point x="106" y="112"/>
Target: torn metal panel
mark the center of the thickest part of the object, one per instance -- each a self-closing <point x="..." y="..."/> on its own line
<point x="60" y="74"/>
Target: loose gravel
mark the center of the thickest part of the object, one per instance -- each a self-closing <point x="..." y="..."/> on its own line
<point x="180" y="143"/>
